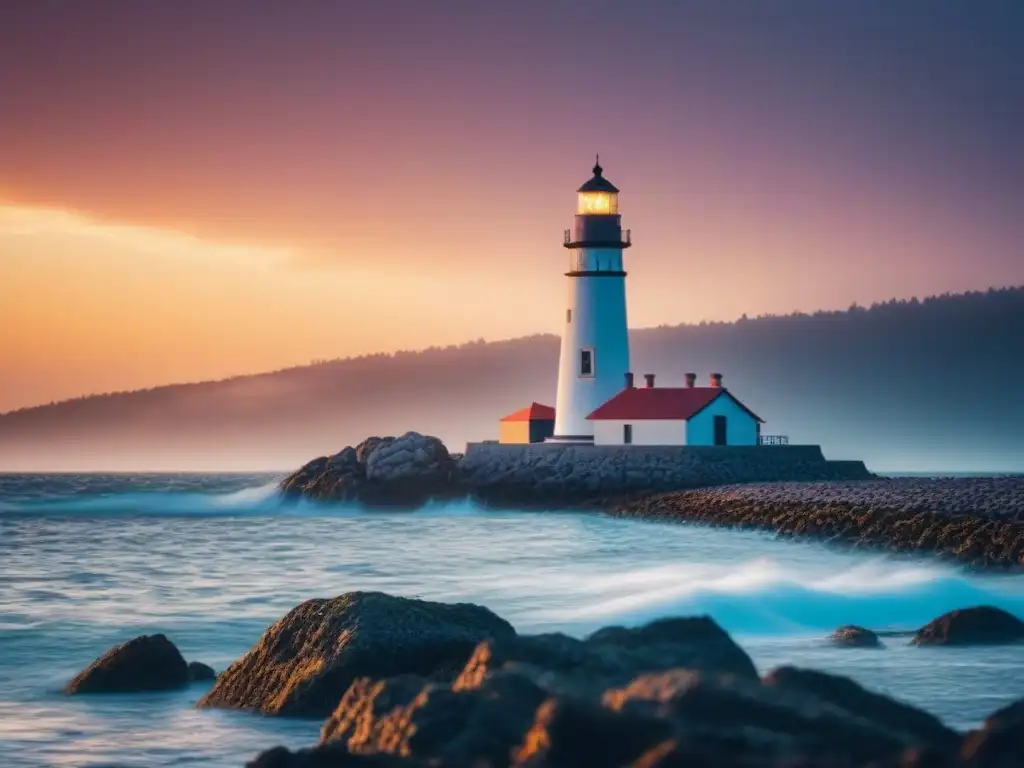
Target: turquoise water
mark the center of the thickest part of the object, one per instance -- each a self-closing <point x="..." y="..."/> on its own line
<point x="90" y="561"/>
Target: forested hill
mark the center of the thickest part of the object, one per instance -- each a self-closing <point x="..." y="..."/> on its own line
<point x="906" y="385"/>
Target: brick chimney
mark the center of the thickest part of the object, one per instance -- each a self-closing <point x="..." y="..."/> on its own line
<point x="649" y="377"/>
<point x="629" y="379"/>
<point x="691" y="380"/>
<point x="716" y="380"/>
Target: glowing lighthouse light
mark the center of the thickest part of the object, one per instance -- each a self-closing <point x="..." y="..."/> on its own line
<point x="595" y="341"/>
<point x="598" y="202"/>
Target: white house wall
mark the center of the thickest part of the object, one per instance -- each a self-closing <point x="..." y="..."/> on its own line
<point x="740" y="426"/>
<point x="645" y="432"/>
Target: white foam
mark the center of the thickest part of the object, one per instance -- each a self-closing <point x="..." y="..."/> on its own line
<point x="764" y="596"/>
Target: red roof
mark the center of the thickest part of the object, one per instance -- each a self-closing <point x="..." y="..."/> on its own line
<point x="662" y="403"/>
<point x="534" y="412"/>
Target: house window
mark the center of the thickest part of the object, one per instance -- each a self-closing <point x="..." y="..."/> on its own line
<point x="587" y="362"/>
<point x="627" y="434"/>
<point x="568" y="315"/>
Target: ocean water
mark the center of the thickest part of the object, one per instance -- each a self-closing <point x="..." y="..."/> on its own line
<point x="88" y="561"/>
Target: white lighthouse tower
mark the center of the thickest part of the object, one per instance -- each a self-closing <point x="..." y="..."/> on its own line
<point x="595" y="341"/>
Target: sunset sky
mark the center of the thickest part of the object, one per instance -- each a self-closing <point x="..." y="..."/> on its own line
<point x="200" y="188"/>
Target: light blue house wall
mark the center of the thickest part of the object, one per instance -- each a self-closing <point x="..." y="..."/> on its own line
<point x="740" y="427"/>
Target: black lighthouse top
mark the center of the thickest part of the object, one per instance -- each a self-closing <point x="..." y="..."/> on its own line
<point x="597" y="182"/>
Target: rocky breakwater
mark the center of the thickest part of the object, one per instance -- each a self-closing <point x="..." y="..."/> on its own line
<point x="978" y="521"/>
<point x="413" y="468"/>
<point x="402" y="685"/>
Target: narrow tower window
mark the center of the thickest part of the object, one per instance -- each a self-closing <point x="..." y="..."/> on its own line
<point x="568" y="315"/>
<point x="586" y="362"/>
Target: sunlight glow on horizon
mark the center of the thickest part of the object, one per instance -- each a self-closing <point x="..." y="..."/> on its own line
<point x="97" y="306"/>
<point x="42" y="221"/>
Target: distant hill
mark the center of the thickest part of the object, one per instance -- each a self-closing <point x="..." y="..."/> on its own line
<point x="936" y="384"/>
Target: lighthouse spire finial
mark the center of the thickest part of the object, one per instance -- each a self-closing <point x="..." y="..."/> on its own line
<point x="597" y="165"/>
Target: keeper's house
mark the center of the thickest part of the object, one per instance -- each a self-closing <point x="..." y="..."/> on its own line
<point x="533" y="424"/>
<point x="689" y="415"/>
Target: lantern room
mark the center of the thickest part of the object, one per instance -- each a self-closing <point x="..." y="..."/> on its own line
<point x="598" y="196"/>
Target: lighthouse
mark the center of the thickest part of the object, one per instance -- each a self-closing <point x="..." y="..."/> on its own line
<point x="595" y="342"/>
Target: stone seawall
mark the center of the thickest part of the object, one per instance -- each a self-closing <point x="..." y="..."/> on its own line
<point x="412" y="469"/>
<point x="550" y="472"/>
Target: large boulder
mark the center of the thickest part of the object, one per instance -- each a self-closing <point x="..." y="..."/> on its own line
<point x="304" y="663"/>
<point x="327" y="478"/>
<point x="1010" y="715"/>
<point x="334" y="755"/>
<point x="779" y="723"/>
<point x="362" y="451"/>
<point x="147" y="663"/>
<point x="852" y="636"/>
<point x="982" y="625"/>
<point x="674" y="692"/>
<point x="675" y="718"/>
<point x="999" y="742"/>
<point x="904" y="722"/>
<point x="407" y="471"/>
<point x="199" y="672"/>
<point x="695" y="642"/>
<point x="610" y="657"/>
<point x="436" y="721"/>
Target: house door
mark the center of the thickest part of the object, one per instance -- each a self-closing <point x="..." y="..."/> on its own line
<point x="627" y="434"/>
<point x="720" y="430"/>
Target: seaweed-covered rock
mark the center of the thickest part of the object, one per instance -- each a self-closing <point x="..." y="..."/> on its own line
<point x="981" y="625"/>
<point x="147" y="663"/>
<point x="306" y="661"/>
<point x="852" y="636"/>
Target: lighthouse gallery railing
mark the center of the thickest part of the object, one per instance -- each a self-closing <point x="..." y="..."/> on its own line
<point x="624" y="238"/>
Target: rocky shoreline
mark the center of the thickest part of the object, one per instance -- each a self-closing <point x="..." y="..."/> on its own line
<point x="410" y="683"/>
<point x="975" y="521"/>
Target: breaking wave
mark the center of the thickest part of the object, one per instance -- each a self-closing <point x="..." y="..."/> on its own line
<point x="136" y="499"/>
<point x="767" y="597"/>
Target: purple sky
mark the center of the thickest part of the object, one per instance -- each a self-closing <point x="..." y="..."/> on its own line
<point x="772" y="155"/>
